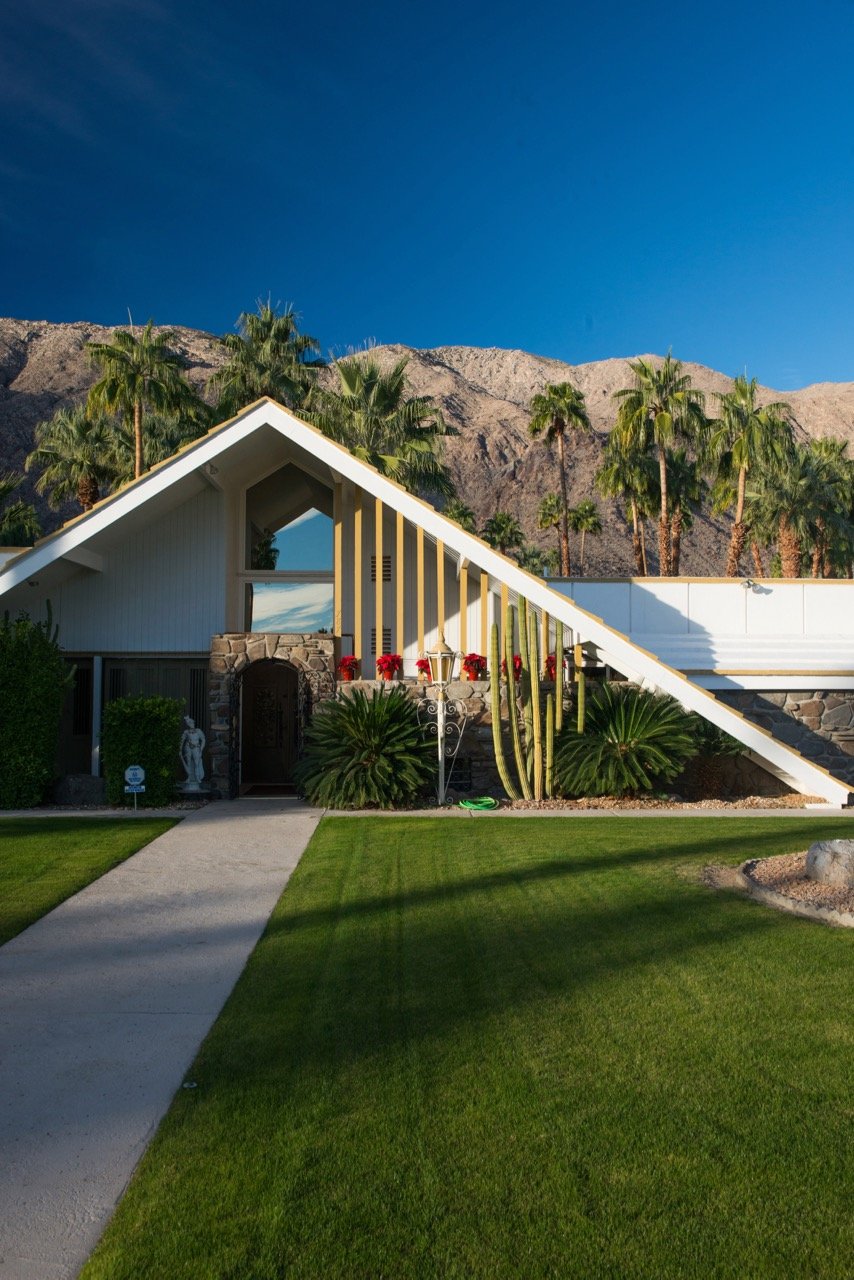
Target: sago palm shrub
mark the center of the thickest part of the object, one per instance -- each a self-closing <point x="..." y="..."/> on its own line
<point x="633" y="740"/>
<point x="366" y="753"/>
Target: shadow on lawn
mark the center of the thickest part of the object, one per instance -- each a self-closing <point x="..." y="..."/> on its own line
<point x="730" y="848"/>
<point x="442" y="983"/>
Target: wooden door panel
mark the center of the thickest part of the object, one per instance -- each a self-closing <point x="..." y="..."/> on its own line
<point x="269" y="723"/>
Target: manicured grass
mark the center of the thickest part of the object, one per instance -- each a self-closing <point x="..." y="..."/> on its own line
<point x="43" y="861"/>
<point x="515" y="1048"/>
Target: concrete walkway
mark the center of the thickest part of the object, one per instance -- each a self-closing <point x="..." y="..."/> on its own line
<point x="103" y="1005"/>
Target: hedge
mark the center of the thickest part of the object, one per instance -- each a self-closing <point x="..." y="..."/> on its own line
<point x="144" y="731"/>
<point x="34" y="678"/>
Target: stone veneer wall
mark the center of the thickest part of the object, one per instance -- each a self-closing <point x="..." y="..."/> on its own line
<point x="313" y="655"/>
<point x="820" y="725"/>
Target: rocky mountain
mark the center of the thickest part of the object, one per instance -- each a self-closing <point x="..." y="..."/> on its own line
<point x="484" y="393"/>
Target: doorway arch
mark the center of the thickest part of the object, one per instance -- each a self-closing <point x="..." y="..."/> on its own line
<point x="270" y="720"/>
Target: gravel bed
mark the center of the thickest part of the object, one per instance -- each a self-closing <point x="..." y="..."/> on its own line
<point x="671" y="802"/>
<point x="786" y="874"/>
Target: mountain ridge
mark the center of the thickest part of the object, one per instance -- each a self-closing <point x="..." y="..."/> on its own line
<point x="482" y="391"/>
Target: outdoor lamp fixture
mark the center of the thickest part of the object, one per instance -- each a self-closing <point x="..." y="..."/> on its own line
<point x="439" y="716"/>
<point x="442" y="661"/>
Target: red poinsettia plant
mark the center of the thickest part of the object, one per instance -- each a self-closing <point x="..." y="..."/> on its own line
<point x="389" y="664"/>
<point x="422" y="666"/>
<point x="348" y="666"/>
<point x="517" y="665"/>
<point x="474" y="666"/>
<point x="551" y="667"/>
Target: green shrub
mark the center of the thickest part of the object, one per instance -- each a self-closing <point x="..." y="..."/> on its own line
<point x="704" y="773"/>
<point x="633" y="741"/>
<point x="366" y="753"/>
<point x="144" y="731"/>
<point x="34" y="678"/>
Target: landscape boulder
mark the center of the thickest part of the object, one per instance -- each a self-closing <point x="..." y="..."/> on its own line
<point x="832" y="862"/>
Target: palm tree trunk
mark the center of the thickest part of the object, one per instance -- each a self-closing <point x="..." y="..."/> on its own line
<point x="581" y="555"/>
<point x="758" y="566"/>
<point x="565" y="563"/>
<point x="819" y="551"/>
<point x="640" y="567"/>
<point x="663" y="522"/>
<point x="137" y="438"/>
<point x="790" y="549"/>
<point x="643" y="549"/>
<point x="736" y="548"/>
<point x="88" y="493"/>
<point x="739" y="532"/>
<point x="828" y="569"/>
<point x="675" y="541"/>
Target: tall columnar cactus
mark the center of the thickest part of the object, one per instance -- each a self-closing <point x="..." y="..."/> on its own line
<point x="512" y="708"/>
<point x="534" y="753"/>
<point x="495" y="697"/>
<point x="550" y="745"/>
<point x="527" y="679"/>
<point x="536" y="717"/>
<point x="581" y="680"/>
<point x="558" y="676"/>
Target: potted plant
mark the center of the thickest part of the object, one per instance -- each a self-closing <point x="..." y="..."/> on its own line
<point x="517" y="665"/>
<point x="474" y="666"/>
<point x="551" y="666"/>
<point x="347" y="667"/>
<point x="422" y="666"/>
<point x="389" y="665"/>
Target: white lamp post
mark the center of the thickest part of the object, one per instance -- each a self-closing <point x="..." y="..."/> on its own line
<point x="442" y="661"/>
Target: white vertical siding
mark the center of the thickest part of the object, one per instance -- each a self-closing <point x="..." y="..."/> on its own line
<point x="162" y="589"/>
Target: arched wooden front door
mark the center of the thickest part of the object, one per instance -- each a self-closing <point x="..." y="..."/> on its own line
<point x="269" y="724"/>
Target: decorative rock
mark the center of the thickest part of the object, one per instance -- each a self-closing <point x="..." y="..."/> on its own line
<point x="837" y="718"/>
<point x="832" y="862"/>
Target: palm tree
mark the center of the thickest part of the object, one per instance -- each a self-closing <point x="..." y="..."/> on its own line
<point x="584" y="519"/>
<point x="686" y="492"/>
<point x="550" y="516"/>
<point x="162" y="437"/>
<point x="371" y="414"/>
<point x="834" y="532"/>
<point x="745" y="436"/>
<point x="658" y="409"/>
<point x="790" y="498"/>
<point x="461" y="514"/>
<point x="531" y="558"/>
<point x="626" y="473"/>
<point x="139" y="373"/>
<point x="75" y="452"/>
<point x="503" y="532"/>
<point x="268" y="356"/>
<point x="19" y="524"/>
<point x="555" y="411"/>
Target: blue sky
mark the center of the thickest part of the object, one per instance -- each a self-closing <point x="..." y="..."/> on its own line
<point x="582" y="181"/>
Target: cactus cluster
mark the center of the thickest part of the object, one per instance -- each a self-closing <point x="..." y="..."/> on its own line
<point x="532" y="740"/>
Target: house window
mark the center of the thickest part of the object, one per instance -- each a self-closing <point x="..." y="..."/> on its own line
<point x="81" y="708"/>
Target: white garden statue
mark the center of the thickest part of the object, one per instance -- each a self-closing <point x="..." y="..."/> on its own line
<point x="192" y="746"/>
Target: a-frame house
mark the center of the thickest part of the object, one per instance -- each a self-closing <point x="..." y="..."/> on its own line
<point x="167" y="586"/>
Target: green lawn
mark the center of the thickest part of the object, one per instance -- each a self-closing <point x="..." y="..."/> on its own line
<point x="515" y="1048"/>
<point x="43" y="861"/>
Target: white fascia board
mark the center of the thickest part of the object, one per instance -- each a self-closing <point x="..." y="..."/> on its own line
<point x="65" y="541"/>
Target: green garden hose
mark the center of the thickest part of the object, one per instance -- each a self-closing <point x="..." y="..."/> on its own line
<point x="480" y="804"/>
